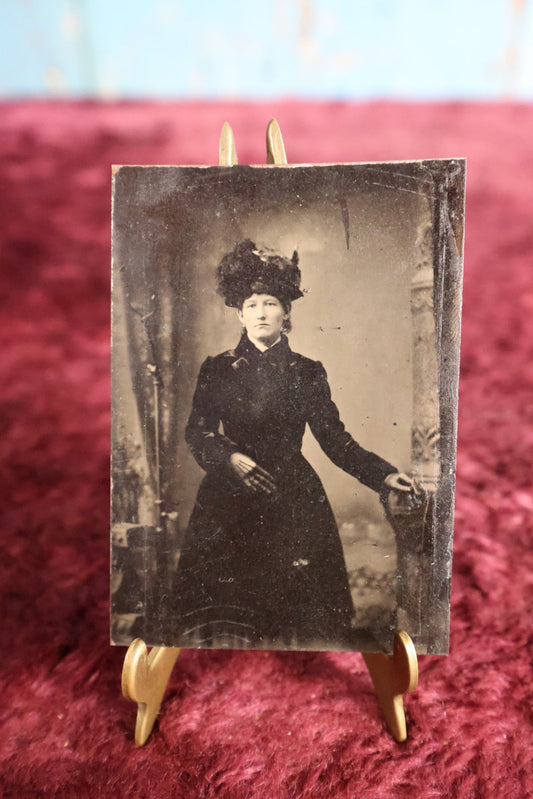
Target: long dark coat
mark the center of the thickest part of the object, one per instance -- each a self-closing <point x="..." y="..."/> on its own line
<point x="258" y="570"/>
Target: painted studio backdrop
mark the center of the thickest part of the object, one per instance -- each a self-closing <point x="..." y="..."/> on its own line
<point x="379" y="250"/>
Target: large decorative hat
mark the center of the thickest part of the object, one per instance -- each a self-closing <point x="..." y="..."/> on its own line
<point x="248" y="270"/>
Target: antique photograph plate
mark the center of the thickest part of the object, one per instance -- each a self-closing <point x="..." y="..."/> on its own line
<point x="285" y="350"/>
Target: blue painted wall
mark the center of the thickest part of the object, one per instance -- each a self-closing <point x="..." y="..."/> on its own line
<point x="414" y="49"/>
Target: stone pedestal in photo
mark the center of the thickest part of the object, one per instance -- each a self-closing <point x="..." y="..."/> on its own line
<point x="411" y="516"/>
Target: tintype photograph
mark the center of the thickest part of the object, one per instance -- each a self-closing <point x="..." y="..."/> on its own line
<point x="284" y="402"/>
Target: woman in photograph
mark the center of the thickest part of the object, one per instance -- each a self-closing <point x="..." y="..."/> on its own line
<point x="262" y="563"/>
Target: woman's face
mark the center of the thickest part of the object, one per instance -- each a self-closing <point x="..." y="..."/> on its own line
<point x="263" y="315"/>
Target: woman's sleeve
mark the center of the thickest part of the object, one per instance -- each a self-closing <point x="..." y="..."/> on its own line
<point x="337" y="443"/>
<point x="209" y="446"/>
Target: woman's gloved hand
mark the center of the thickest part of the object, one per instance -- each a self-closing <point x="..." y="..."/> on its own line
<point x="399" y="481"/>
<point x="250" y="474"/>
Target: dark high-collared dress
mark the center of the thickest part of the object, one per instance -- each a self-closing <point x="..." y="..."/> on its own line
<point x="258" y="570"/>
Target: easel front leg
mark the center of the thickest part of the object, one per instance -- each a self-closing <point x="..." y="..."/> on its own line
<point x="144" y="680"/>
<point x="393" y="677"/>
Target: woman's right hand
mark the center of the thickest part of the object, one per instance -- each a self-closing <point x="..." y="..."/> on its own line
<point x="250" y="474"/>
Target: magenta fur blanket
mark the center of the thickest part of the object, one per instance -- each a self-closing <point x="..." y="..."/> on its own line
<point x="244" y="724"/>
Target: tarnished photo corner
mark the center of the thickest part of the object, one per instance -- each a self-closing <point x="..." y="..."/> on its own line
<point x="230" y="526"/>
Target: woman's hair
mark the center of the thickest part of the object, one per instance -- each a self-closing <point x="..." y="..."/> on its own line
<point x="248" y="270"/>
<point x="287" y="324"/>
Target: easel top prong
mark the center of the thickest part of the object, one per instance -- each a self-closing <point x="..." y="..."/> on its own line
<point x="227" y="151"/>
<point x="274" y="143"/>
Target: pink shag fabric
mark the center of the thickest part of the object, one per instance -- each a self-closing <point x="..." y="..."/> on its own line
<point x="244" y="724"/>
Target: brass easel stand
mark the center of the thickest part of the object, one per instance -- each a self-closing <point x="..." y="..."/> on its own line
<point x="145" y="676"/>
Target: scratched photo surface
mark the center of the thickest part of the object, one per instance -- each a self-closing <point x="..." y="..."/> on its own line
<point x="252" y="505"/>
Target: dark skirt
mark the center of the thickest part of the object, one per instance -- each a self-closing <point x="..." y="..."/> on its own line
<point x="259" y="571"/>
